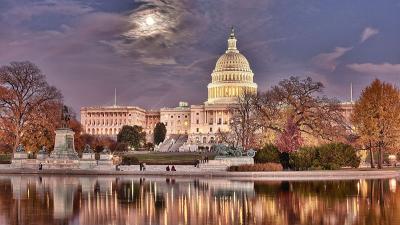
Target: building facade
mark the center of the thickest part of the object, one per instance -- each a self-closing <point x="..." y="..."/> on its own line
<point x="201" y="124"/>
<point x="109" y="120"/>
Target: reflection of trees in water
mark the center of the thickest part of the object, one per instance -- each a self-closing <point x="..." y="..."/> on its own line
<point x="27" y="200"/>
<point x="329" y="202"/>
<point x="128" y="192"/>
<point x="197" y="202"/>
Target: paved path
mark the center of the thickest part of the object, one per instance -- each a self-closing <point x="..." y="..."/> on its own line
<point x="191" y="171"/>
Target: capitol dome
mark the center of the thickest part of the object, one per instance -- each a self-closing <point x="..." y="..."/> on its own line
<point x="232" y="61"/>
<point x="231" y="77"/>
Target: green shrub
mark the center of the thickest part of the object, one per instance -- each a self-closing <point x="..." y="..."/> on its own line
<point x="5" y="158"/>
<point x="327" y="157"/>
<point x="268" y="154"/>
<point x="129" y="160"/>
<point x="305" y="158"/>
<point x="257" y="167"/>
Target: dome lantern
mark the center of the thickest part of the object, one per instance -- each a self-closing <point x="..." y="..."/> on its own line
<point x="232" y="42"/>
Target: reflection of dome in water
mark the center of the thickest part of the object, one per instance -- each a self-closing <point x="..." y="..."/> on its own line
<point x="231" y="77"/>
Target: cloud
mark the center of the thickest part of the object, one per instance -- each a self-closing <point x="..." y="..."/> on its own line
<point x="328" y="61"/>
<point x="368" y="33"/>
<point x="376" y="69"/>
<point x="25" y="12"/>
<point x="159" y="61"/>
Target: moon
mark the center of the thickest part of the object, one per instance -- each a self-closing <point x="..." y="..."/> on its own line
<point x="150" y="21"/>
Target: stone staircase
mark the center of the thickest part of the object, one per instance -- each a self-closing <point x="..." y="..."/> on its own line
<point x="173" y="143"/>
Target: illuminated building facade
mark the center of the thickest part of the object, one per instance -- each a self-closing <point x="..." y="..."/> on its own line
<point x="200" y="124"/>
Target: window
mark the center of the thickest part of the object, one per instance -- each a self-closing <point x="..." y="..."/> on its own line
<point x="219" y="121"/>
<point x="197" y="130"/>
<point x="197" y="113"/>
<point x="197" y="121"/>
<point x="185" y="116"/>
<point x="210" y="129"/>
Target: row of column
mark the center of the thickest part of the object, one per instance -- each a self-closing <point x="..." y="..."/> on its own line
<point x="217" y="92"/>
<point x="232" y="77"/>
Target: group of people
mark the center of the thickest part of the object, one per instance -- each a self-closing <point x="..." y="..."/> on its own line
<point x="170" y="169"/>
<point x="203" y="160"/>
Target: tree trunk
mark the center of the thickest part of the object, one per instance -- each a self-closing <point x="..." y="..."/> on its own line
<point x="371" y="153"/>
<point x="379" y="157"/>
<point x="285" y="160"/>
<point x="17" y="139"/>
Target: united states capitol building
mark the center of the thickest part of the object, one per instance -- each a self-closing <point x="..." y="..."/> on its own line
<point x="191" y="124"/>
<point x="187" y="125"/>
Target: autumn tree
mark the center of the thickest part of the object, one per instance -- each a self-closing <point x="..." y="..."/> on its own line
<point x="244" y="124"/>
<point x="40" y="130"/>
<point x="301" y="101"/>
<point x="26" y="100"/>
<point x="134" y="136"/>
<point x="376" y="118"/>
<point x="159" y="133"/>
<point x="288" y="141"/>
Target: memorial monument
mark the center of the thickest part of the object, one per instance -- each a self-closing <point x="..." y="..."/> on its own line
<point x="106" y="159"/>
<point x="88" y="160"/>
<point x="229" y="156"/>
<point x="19" y="156"/>
<point x="64" y="154"/>
<point x="42" y="154"/>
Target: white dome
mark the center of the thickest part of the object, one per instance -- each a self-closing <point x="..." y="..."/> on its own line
<point x="231" y="77"/>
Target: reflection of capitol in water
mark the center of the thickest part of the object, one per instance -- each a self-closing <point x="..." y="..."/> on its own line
<point x="168" y="201"/>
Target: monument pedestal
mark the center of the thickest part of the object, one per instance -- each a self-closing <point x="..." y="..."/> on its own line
<point x="88" y="161"/>
<point x="223" y="163"/>
<point x="106" y="161"/>
<point x="19" y="159"/>
<point x="64" y="155"/>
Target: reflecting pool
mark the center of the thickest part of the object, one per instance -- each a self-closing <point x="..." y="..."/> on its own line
<point x="112" y="200"/>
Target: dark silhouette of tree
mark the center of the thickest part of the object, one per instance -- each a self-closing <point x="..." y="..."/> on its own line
<point x="134" y="136"/>
<point x="159" y="133"/>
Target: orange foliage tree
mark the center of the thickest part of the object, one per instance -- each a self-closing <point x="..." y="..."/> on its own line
<point x="376" y="118"/>
<point x="27" y="104"/>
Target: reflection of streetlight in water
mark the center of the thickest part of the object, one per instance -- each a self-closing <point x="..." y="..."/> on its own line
<point x="392" y="185"/>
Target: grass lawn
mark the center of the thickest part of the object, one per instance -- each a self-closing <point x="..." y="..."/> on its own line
<point x="175" y="158"/>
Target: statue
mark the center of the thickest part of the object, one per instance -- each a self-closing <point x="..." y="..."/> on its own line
<point x="227" y="151"/>
<point x="223" y="150"/>
<point x="106" y="150"/>
<point x="20" y="148"/>
<point x="65" y="117"/>
<point x="43" y="150"/>
<point x="87" y="149"/>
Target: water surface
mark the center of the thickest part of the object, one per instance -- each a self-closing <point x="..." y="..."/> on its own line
<point x="104" y="200"/>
